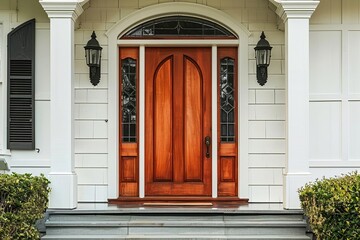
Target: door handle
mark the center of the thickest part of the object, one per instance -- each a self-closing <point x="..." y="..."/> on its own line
<point x="207" y="143"/>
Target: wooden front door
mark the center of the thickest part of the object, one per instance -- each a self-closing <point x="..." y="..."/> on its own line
<point x="177" y="122"/>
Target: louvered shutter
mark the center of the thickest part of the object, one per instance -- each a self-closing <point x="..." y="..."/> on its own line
<point x="21" y="87"/>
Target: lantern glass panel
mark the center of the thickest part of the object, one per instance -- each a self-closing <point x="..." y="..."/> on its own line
<point x="87" y="56"/>
<point x="268" y="56"/>
<point x="262" y="57"/>
<point x="93" y="57"/>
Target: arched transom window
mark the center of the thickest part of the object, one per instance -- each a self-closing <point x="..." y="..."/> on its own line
<point x="179" y="27"/>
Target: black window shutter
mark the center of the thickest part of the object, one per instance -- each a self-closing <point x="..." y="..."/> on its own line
<point x="21" y="87"/>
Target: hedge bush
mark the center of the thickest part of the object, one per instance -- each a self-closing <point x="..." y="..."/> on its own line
<point x="333" y="207"/>
<point x="23" y="200"/>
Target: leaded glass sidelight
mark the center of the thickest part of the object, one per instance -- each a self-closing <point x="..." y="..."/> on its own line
<point x="227" y="100"/>
<point x="128" y="100"/>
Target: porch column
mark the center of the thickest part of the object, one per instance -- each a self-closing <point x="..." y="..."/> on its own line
<point x="63" y="178"/>
<point x="296" y="15"/>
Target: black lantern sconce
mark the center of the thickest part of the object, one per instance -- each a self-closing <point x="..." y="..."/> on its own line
<point x="93" y="58"/>
<point x="262" y="55"/>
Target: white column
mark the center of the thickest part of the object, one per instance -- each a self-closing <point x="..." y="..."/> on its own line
<point x="63" y="179"/>
<point x="296" y="15"/>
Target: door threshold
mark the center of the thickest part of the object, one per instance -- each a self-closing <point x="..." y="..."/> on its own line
<point x="179" y="201"/>
<point x="178" y="204"/>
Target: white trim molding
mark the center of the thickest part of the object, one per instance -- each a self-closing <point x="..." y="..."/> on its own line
<point x="62" y="9"/>
<point x="178" y="42"/>
<point x="5" y="18"/>
<point x="339" y="163"/>
<point x="295" y="8"/>
<point x="161" y="10"/>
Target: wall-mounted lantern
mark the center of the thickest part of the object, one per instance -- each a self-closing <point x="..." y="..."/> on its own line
<point x="93" y="58"/>
<point x="262" y="55"/>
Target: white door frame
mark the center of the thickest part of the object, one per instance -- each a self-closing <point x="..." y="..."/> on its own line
<point x="161" y="10"/>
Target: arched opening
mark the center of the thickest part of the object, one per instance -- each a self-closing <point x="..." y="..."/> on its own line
<point x="179" y="27"/>
<point x="192" y="28"/>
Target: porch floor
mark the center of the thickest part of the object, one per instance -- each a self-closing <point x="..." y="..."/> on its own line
<point x="118" y="208"/>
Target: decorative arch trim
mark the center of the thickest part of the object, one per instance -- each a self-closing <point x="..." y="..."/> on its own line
<point x="171" y="9"/>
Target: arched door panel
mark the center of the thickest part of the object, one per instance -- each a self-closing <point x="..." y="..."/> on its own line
<point x="177" y="120"/>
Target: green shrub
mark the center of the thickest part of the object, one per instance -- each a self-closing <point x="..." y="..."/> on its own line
<point x="333" y="207"/>
<point x="23" y="200"/>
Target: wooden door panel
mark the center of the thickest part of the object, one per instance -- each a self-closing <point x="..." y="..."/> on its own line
<point x="227" y="169"/>
<point x="176" y="189"/>
<point x="129" y="174"/>
<point x="163" y="167"/>
<point x="193" y="121"/>
<point x="177" y="119"/>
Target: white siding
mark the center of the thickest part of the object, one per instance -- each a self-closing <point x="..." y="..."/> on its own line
<point x="91" y="109"/>
<point x="42" y="67"/>
<point x="267" y="143"/>
<point x="325" y="62"/>
<point x="334" y="88"/>
<point x="354" y="61"/>
<point x="325" y="130"/>
<point x="42" y="133"/>
<point x="38" y="161"/>
<point x="2" y="90"/>
<point x="354" y="138"/>
<point x="15" y="13"/>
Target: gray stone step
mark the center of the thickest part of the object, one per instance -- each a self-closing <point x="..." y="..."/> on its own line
<point x="176" y="216"/>
<point x="175" y="225"/>
<point x="149" y="223"/>
<point x="176" y="237"/>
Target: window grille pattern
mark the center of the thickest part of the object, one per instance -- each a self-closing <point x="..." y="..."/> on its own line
<point x="227" y="103"/>
<point x="128" y="100"/>
<point x="179" y="26"/>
